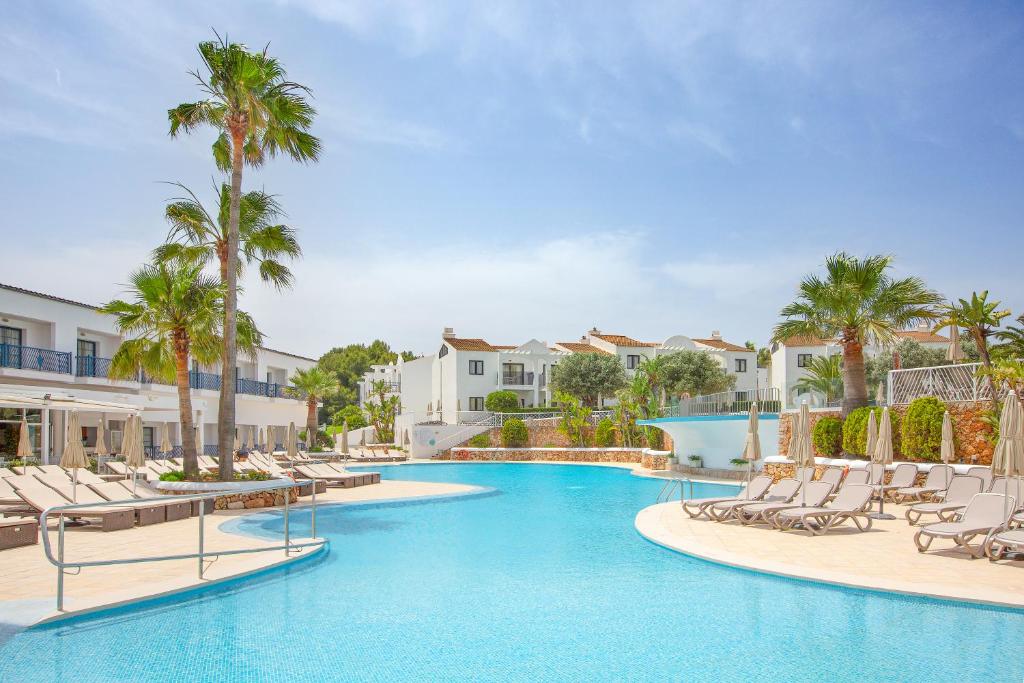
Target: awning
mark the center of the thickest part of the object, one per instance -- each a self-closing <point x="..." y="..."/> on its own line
<point x="56" y="401"/>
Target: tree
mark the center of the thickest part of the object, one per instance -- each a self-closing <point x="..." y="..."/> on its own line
<point x="348" y="364"/>
<point x="911" y="355"/>
<point x="824" y="376"/>
<point x="764" y="357"/>
<point x="351" y="414"/>
<point x="504" y="401"/>
<point x="257" y="113"/>
<point x="857" y="302"/>
<point x="174" y="315"/>
<point x="639" y="400"/>
<point x="382" y="411"/>
<point x="575" y="416"/>
<point x="589" y="376"/>
<point x="979" y="316"/>
<point x="1011" y="342"/>
<point x="312" y="385"/>
<point x="694" y="373"/>
<point x="197" y="236"/>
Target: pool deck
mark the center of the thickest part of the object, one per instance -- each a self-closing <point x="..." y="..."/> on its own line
<point x="28" y="580"/>
<point x="884" y="558"/>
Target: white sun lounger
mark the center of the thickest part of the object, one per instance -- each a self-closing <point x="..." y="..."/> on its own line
<point x="1001" y="542"/>
<point x="985" y="514"/>
<point x="851" y="503"/>
<point x="40" y="497"/>
<point x="698" y="507"/>
<point x="780" y="492"/>
<point x="904" y="476"/>
<point x="958" y="495"/>
<point x="938" y="479"/>
<point x="816" y="493"/>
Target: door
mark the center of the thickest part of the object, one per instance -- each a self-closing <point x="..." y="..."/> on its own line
<point x="86" y="358"/>
<point x="10" y="347"/>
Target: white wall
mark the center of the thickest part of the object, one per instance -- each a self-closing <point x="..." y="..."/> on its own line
<point x="717" y="439"/>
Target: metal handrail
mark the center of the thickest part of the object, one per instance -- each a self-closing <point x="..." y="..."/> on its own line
<point x="63" y="566"/>
<point x="665" y="495"/>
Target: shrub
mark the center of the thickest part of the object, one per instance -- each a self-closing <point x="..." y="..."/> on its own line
<point x="922" y="428"/>
<point x="173" y="475"/>
<point x="481" y="440"/>
<point x="502" y="402"/>
<point x="739" y="462"/>
<point x="514" y="434"/>
<point x="828" y="436"/>
<point x="855" y="431"/>
<point x="604" y="434"/>
<point x="258" y="475"/>
<point x="355" y="416"/>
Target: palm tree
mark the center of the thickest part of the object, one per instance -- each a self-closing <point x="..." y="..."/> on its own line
<point x="857" y="303"/>
<point x="174" y="315"/>
<point x="198" y="236"/>
<point x="1011" y="340"/>
<point x="313" y="385"/>
<point x="258" y="113"/>
<point x="824" y="376"/>
<point x="979" y="316"/>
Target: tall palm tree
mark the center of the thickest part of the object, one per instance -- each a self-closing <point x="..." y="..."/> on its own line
<point x="313" y="385"/>
<point x="824" y="376"/>
<point x="199" y="236"/>
<point x="979" y="316"/>
<point x="258" y="113"/>
<point x="857" y="303"/>
<point x="175" y="314"/>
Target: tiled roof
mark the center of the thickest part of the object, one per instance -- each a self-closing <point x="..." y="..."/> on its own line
<point x="469" y="344"/>
<point x="51" y="297"/>
<point x="922" y="336"/>
<point x="505" y="347"/>
<point x="623" y="340"/>
<point x="805" y="340"/>
<point x="577" y="347"/>
<point x="721" y="344"/>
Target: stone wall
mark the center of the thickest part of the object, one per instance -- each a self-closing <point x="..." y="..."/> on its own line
<point x="247" y="499"/>
<point x="652" y="460"/>
<point x="969" y="431"/>
<point x="785" y="470"/>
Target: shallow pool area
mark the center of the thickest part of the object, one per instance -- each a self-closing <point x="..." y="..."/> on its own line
<point x="541" y="576"/>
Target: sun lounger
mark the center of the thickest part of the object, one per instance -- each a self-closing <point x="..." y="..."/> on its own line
<point x="816" y="494"/>
<point x="938" y="479"/>
<point x="983" y="473"/>
<point x="833" y="476"/>
<point x="331" y="476"/>
<point x="1001" y="542"/>
<point x="851" y="503"/>
<point x="780" y="492"/>
<point x="698" y="507"/>
<point x="957" y="496"/>
<point x="176" y="510"/>
<point x="904" y="476"/>
<point x="985" y="514"/>
<point x="146" y="513"/>
<point x="18" y="531"/>
<point x="40" y="497"/>
<point x="368" y="477"/>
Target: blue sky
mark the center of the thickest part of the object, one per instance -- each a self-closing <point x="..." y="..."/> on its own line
<point x="528" y="170"/>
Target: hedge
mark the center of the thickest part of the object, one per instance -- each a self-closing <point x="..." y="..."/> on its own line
<point x="855" y="431"/>
<point x="481" y="440"/>
<point x="828" y="436"/>
<point x="502" y="402"/>
<point x="514" y="434"/>
<point x="604" y="433"/>
<point x="922" y="428"/>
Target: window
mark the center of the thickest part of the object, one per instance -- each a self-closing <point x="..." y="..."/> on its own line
<point x="10" y="336"/>
<point x="803" y="360"/>
<point x="632" y="362"/>
<point x="443" y="352"/>
<point x="476" y="403"/>
<point x="741" y="365"/>
<point x="476" y="367"/>
<point x="86" y="348"/>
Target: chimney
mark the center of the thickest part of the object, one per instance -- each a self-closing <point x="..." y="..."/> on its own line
<point x="449" y="333"/>
<point x="716" y="334"/>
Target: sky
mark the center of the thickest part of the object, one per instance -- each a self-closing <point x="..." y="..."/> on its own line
<point x="527" y="170"/>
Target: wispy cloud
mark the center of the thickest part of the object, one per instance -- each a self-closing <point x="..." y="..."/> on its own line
<point x="688" y="132"/>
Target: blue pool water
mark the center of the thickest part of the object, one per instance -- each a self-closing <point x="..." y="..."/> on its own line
<point x="543" y="579"/>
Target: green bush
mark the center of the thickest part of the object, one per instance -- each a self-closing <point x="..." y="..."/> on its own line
<point x="481" y="440"/>
<point x="502" y="402"/>
<point x="355" y="416"/>
<point x="514" y="434"/>
<point x="855" y="431"/>
<point x="604" y="434"/>
<point x="922" y="428"/>
<point x="173" y="475"/>
<point x="827" y="436"/>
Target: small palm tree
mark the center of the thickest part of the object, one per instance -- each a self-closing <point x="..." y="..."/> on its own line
<point x="1011" y="342"/>
<point x="198" y="236"/>
<point x="979" y="316"/>
<point x="857" y="303"/>
<point x="174" y="315"/>
<point x="258" y="113"/>
<point x="824" y="376"/>
<point x="313" y="385"/>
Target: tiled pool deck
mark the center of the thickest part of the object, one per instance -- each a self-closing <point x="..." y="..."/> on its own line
<point x="883" y="559"/>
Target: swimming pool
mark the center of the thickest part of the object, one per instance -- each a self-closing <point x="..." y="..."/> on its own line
<point x="545" y="579"/>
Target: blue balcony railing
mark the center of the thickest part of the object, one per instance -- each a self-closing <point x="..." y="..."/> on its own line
<point x="32" y="358"/>
<point x="91" y="366"/>
<point x="204" y="380"/>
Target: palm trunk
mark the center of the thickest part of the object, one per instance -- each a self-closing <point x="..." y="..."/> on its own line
<point x="226" y="409"/>
<point x="311" y="422"/>
<point x="855" y="384"/>
<point x="188" y="434"/>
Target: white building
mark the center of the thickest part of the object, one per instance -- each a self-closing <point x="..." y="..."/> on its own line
<point x="57" y="346"/>
<point x="390" y="375"/>
<point x="790" y="360"/>
<point x="453" y="384"/>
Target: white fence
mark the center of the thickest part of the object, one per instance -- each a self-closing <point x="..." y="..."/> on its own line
<point x="950" y="383"/>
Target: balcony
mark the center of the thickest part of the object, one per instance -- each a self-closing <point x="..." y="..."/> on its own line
<point x="32" y="358"/>
<point x="517" y="379"/>
<point x="91" y="366"/>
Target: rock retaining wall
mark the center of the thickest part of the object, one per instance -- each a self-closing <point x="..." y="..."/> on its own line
<point x="247" y="499"/>
<point x="652" y="460"/>
<point x="785" y="470"/>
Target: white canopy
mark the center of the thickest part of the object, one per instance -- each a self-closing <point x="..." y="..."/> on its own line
<point x="54" y="401"/>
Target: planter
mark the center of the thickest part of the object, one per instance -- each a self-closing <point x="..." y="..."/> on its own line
<point x="237" y="495"/>
<point x="695" y="461"/>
